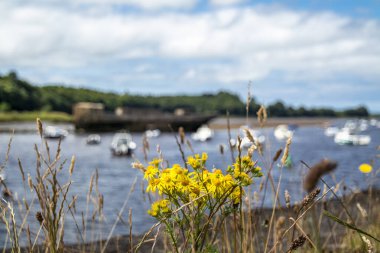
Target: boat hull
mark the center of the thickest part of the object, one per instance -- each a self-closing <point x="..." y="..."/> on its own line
<point x="139" y="124"/>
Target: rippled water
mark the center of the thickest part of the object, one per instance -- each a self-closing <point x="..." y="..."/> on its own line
<point x="116" y="175"/>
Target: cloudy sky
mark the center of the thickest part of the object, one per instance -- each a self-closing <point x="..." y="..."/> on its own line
<point x="312" y="53"/>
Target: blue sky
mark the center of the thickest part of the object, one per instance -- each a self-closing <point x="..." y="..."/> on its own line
<point x="310" y="53"/>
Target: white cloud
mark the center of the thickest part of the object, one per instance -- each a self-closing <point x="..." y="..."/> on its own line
<point x="222" y="46"/>
<point x="145" y="4"/>
<point x="226" y="2"/>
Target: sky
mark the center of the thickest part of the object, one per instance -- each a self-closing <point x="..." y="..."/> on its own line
<point x="310" y="53"/>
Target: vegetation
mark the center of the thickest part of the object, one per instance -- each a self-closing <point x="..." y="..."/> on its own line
<point x="202" y="210"/>
<point x="32" y="115"/>
<point x="196" y="201"/>
<point x="19" y="95"/>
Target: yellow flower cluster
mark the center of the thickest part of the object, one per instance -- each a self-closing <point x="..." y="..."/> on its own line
<point x="160" y="207"/>
<point x="179" y="185"/>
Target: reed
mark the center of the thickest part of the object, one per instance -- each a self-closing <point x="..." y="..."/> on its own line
<point x="198" y="208"/>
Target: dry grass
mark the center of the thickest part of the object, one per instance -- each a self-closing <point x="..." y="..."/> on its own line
<point x="251" y="228"/>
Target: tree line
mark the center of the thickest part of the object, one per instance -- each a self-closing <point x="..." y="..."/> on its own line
<point x="19" y="95"/>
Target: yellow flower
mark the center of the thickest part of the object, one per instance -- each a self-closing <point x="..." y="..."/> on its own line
<point x="153" y="185"/>
<point x="237" y="195"/>
<point x="150" y="172"/>
<point x="166" y="184"/>
<point x="155" y="162"/>
<point x="242" y="177"/>
<point x="193" y="162"/>
<point x="365" y="168"/>
<point x="177" y="171"/>
<point x="197" y="161"/>
<point x="159" y="207"/>
<point x="204" y="157"/>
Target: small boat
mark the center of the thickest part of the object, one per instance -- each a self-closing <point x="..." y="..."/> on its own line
<point x="283" y="132"/>
<point x="331" y="131"/>
<point x="93" y="139"/>
<point x="373" y="122"/>
<point x="258" y="137"/>
<point x="52" y="132"/>
<point x="152" y="133"/>
<point x="122" y="144"/>
<point x="347" y="137"/>
<point x="204" y="133"/>
<point x="356" y="125"/>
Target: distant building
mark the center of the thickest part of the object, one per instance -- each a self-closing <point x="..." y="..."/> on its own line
<point x="86" y="111"/>
<point x="179" y="112"/>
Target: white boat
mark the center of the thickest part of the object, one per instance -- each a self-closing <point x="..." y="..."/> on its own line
<point x="283" y="132"/>
<point x="373" y="122"/>
<point x="122" y="144"/>
<point x="356" y="125"/>
<point x="93" y="139"/>
<point x="53" y="132"/>
<point x="152" y="133"/>
<point x="331" y="131"/>
<point x="347" y="137"/>
<point x="258" y="137"/>
<point x="204" y="133"/>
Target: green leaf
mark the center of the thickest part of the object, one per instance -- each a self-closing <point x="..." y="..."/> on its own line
<point x="336" y="219"/>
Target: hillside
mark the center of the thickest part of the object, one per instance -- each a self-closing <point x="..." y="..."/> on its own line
<point x="19" y="95"/>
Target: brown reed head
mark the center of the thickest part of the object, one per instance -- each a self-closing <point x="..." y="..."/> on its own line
<point x="277" y="155"/>
<point x="297" y="243"/>
<point x="286" y="152"/>
<point x="39" y="127"/>
<point x="315" y="173"/>
<point x="310" y="197"/>
<point x="262" y="115"/>
<point x="39" y="217"/>
<point x="181" y="132"/>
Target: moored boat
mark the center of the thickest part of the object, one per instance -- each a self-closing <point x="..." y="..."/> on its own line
<point x="122" y="144"/>
<point x="93" y="139"/>
<point x="52" y="132"/>
<point x="347" y="137"/>
<point x="246" y="142"/>
<point x="331" y="131"/>
<point x="152" y="133"/>
<point x="204" y="133"/>
<point x="282" y="132"/>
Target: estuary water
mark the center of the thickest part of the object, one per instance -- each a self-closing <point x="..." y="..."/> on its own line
<point x="116" y="175"/>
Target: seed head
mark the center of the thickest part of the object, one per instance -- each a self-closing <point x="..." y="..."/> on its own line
<point x="286" y="152"/>
<point x="39" y="217"/>
<point x="262" y="115"/>
<point x="30" y="182"/>
<point x="363" y="212"/>
<point x="277" y="155"/>
<point x="181" y="132"/>
<point x="221" y="149"/>
<point x="287" y="199"/>
<point x="310" y="197"/>
<point x="71" y="169"/>
<point x="369" y="245"/>
<point x="315" y="173"/>
<point x="39" y="127"/>
<point x="297" y="243"/>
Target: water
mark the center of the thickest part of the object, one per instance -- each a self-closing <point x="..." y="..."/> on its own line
<point x="116" y="175"/>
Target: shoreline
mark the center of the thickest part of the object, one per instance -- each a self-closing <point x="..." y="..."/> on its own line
<point x="236" y="122"/>
<point x="217" y="123"/>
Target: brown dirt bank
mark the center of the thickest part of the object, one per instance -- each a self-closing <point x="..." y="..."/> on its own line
<point x="329" y="235"/>
<point x="236" y="122"/>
